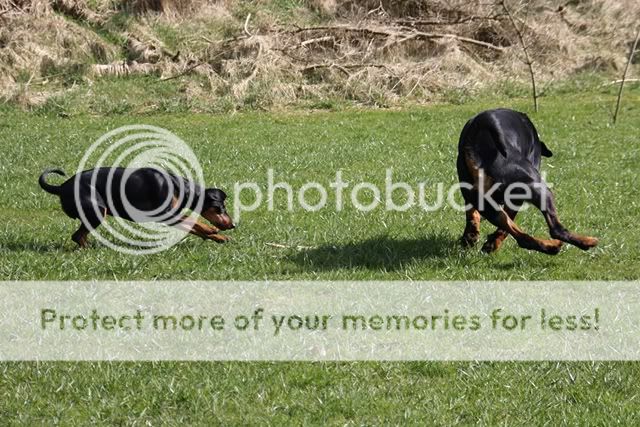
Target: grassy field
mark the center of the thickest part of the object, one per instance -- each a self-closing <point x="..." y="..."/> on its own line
<point x="595" y="175"/>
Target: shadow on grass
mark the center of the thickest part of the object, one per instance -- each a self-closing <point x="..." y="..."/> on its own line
<point x="39" y="247"/>
<point x="376" y="253"/>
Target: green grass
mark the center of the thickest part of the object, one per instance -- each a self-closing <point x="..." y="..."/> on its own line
<point x="595" y="176"/>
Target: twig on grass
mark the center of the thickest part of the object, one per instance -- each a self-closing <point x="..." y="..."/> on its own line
<point x="615" y="82"/>
<point x="297" y="247"/>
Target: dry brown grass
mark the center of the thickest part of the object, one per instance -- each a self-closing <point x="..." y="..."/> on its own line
<point x="374" y="52"/>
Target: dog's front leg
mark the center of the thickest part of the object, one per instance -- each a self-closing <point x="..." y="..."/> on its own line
<point x="220" y="238"/>
<point x="199" y="229"/>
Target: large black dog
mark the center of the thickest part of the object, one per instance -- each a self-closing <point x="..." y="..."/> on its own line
<point x="500" y="148"/>
<point x="120" y="191"/>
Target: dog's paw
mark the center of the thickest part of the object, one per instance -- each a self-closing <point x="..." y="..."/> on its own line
<point x="552" y="247"/>
<point x="490" y="246"/>
<point x="469" y="240"/>
<point x="587" y="243"/>
<point x="219" y="238"/>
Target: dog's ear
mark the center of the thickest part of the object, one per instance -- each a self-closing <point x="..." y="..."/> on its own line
<point x="216" y="194"/>
<point x="544" y="150"/>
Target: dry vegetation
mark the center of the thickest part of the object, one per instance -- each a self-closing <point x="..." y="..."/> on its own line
<point x="263" y="53"/>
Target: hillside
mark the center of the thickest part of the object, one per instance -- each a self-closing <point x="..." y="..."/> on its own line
<point x="154" y="55"/>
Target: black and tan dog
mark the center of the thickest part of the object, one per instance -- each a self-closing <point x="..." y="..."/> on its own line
<point x="120" y="191"/>
<point x="503" y="147"/>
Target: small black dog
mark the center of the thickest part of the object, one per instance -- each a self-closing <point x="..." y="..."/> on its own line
<point x="146" y="190"/>
<point x="502" y="147"/>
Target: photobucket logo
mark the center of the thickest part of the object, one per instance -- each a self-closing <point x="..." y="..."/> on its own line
<point x="115" y="189"/>
<point x="368" y="196"/>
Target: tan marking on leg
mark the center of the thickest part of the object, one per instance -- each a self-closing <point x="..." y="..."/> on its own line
<point x="495" y="240"/>
<point x="478" y="173"/>
<point x="199" y="229"/>
<point x="525" y="240"/>
<point x="472" y="167"/>
<point x="586" y="242"/>
<point x="471" y="232"/>
<point x="219" y="238"/>
<point x="557" y="230"/>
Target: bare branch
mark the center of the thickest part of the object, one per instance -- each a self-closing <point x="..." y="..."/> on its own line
<point x="316" y="66"/>
<point x="316" y="40"/>
<point x="401" y="33"/>
<point x="528" y="60"/>
<point x="624" y="75"/>
<point x="186" y="71"/>
<point x="362" y="30"/>
<point x="468" y="19"/>
<point x="418" y="35"/>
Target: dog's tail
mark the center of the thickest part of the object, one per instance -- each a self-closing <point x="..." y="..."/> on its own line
<point x="485" y="125"/>
<point x="53" y="189"/>
<point x="498" y="139"/>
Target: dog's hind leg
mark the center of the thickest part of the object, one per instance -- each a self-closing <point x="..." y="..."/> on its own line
<point x="494" y="241"/>
<point x="93" y="220"/>
<point x="471" y="233"/>
<point x="500" y="219"/>
<point x="543" y="200"/>
<point x="80" y="236"/>
<point x="472" y="229"/>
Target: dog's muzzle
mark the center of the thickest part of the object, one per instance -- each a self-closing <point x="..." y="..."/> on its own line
<point x="222" y="221"/>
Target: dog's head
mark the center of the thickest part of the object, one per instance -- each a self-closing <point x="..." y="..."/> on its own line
<point x="214" y="211"/>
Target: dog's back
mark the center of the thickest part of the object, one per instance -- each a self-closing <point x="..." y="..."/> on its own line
<point x="502" y="142"/>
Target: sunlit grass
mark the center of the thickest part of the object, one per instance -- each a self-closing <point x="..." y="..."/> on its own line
<point x="595" y="175"/>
